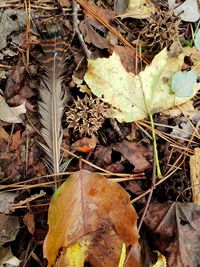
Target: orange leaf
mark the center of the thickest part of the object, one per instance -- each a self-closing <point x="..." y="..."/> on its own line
<point x="85" y="144"/>
<point x="88" y="206"/>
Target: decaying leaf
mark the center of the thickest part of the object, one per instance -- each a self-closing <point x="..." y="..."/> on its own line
<point x="133" y="97"/>
<point x="175" y="229"/>
<point x="91" y="217"/>
<point x="9" y="114"/>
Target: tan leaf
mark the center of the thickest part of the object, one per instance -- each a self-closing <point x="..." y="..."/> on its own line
<point x="140" y="9"/>
<point x="89" y="209"/>
<point x="9" y="114"/>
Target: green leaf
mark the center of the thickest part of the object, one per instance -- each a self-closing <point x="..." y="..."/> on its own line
<point x="197" y="40"/>
<point x="184" y="82"/>
<point x="134" y="97"/>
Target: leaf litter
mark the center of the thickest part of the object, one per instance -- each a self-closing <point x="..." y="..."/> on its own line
<point x="120" y="68"/>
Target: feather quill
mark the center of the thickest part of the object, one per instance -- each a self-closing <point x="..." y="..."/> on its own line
<point x="52" y="97"/>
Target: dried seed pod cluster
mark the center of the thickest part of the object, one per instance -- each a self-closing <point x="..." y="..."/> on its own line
<point x="86" y="115"/>
<point x="161" y="29"/>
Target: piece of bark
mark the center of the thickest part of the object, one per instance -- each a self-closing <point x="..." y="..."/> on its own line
<point x="195" y="175"/>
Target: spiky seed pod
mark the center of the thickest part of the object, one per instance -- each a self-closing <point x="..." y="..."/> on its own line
<point x="161" y="29"/>
<point x="86" y="115"/>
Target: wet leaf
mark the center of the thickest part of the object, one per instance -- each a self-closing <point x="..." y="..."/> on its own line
<point x="133" y="97"/>
<point x="175" y="232"/>
<point x="91" y="217"/>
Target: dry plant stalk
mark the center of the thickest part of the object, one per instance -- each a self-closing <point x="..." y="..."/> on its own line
<point x="195" y="175"/>
<point x="52" y="96"/>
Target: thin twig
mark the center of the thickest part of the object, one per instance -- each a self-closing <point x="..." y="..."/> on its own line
<point x="160" y="181"/>
<point x="75" y="8"/>
<point x="149" y="197"/>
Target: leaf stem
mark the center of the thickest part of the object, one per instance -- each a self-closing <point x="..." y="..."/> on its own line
<point x="155" y="147"/>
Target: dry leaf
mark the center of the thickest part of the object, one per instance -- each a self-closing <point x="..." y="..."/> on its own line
<point x="88" y="210"/>
<point x="187" y="11"/>
<point x="9" y="114"/>
<point x="85" y="144"/>
<point x="29" y="220"/>
<point x="9" y="228"/>
<point x="6" y="201"/>
<point x="7" y="259"/>
<point x="175" y="229"/>
<point x="3" y="134"/>
<point x="16" y="141"/>
<point x="140" y="9"/>
<point x="134" y="153"/>
<point x="89" y="25"/>
<point x="87" y="28"/>
<point x="127" y="56"/>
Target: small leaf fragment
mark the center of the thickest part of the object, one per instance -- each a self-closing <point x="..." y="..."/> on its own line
<point x="75" y="255"/>
<point x="140" y="9"/>
<point x="123" y="256"/>
<point x="11" y="114"/>
<point x="161" y="260"/>
<point x="197" y="40"/>
<point x="183" y="83"/>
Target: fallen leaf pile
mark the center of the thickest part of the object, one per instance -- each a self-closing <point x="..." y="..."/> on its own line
<point x="113" y="90"/>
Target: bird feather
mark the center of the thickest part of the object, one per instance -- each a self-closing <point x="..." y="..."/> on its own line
<point x="52" y="96"/>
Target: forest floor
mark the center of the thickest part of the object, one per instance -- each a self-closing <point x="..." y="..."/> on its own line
<point x="130" y="112"/>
